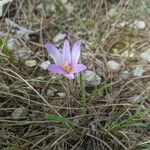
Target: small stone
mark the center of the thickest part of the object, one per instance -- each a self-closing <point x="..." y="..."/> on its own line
<point x="64" y="1"/>
<point x="19" y="112"/>
<point x="46" y="6"/>
<point x="128" y="54"/>
<point x="91" y="78"/>
<point x="40" y="7"/>
<point x="139" y="24"/>
<point x="22" y="54"/>
<point x="69" y="7"/>
<point x="24" y="33"/>
<point x="123" y="24"/>
<point x="112" y="12"/>
<point x="93" y="127"/>
<point x="135" y="99"/>
<point x="61" y="94"/>
<point x="21" y="32"/>
<point x="50" y="92"/>
<point x="138" y="71"/>
<point x="3" y="6"/>
<point x="13" y="44"/>
<point x="113" y="65"/>
<point x="124" y="75"/>
<point x="145" y="55"/>
<point x="30" y="63"/>
<point x="45" y="64"/>
<point x="2" y="33"/>
<point x="59" y="37"/>
<point x="53" y="8"/>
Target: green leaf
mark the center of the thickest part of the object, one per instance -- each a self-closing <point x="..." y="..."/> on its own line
<point x="53" y="117"/>
<point x="6" y="51"/>
<point x="99" y="90"/>
<point x="56" y="118"/>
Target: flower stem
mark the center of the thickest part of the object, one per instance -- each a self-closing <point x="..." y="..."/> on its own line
<point x="83" y="96"/>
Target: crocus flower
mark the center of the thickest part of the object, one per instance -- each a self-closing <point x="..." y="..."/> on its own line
<point x="66" y="62"/>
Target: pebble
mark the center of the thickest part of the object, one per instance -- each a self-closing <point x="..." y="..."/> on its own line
<point x="112" y="12"/>
<point x="135" y="99"/>
<point x="124" y="75"/>
<point x="3" y="6"/>
<point x="91" y="78"/>
<point x="21" y="32"/>
<point x="145" y="55"/>
<point x="113" y="65"/>
<point x="41" y="7"/>
<point x="59" y="37"/>
<point x="138" y="71"/>
<point x="13" y="44"/>
<point x="45" y="64"/>
<point x="19" y="112"/>
<point x="123" y="24"/>
<point x="61" y="94"/>
<point x="67" y="5"/>
<point x="50" y="93"/>
<point x="22" y="54"/>
<point x="138" y="24"/>
<point x="2" y="33"/>
<point x="128" y="54"/>
<point x="30" y="63"/>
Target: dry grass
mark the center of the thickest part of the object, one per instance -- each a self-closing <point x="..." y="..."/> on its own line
<point x="87" y="118"/>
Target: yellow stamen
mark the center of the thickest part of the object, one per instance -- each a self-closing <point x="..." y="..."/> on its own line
<point x="67" y="68"/>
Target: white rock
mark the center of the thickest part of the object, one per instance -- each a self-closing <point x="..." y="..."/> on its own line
<point x="124" y="74"/>
<point x="2" y="33"/>
<point x="112" y="12"/>
<point x="3" y="6"/>
<point x="22" y="54"/>
<point x="19" y="112"/>
<point x="138" y="71"/>
<point x="61" y="94"/>
<point x="21" y="32"/>
<point x="135" y="99"/>
<point x="145" y="55"/>
<point x="64" y="1"/>
<point x="59" y="37"/>
<point x="53" y="8"/>
<point x="128" y="54"/>
<point x="41" y="7"/>
<point x="45" y="64"/>
<point x="91" y="78"/>
<point x="113" y="65"/>
<point x="50" y="92"/>
<point x="69" y="7"/>
<point x="139" y="24"/>
<point x="24" y="33"/>
<point x="30" y="63"/>
<point x="93" y="127"/>
<point x="123" y="24"/>
<point x="13" y="44"/>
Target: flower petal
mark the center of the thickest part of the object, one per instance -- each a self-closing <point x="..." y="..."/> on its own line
<point x="69" y="76"/>
<point x="66" y="52"/>
<point x="75" y="52"/>
<point x="56" y="69"/>
<point x="77" y="68"/>
<point x="54" y="53"/>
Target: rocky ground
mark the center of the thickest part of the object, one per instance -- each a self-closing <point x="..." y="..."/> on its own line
<point x="105" y="107"/>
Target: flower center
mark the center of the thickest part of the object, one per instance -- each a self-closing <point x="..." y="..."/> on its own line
<point x="67" y="68"/>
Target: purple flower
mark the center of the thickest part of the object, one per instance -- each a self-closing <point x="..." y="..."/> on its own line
<point x="66" y="63"/>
